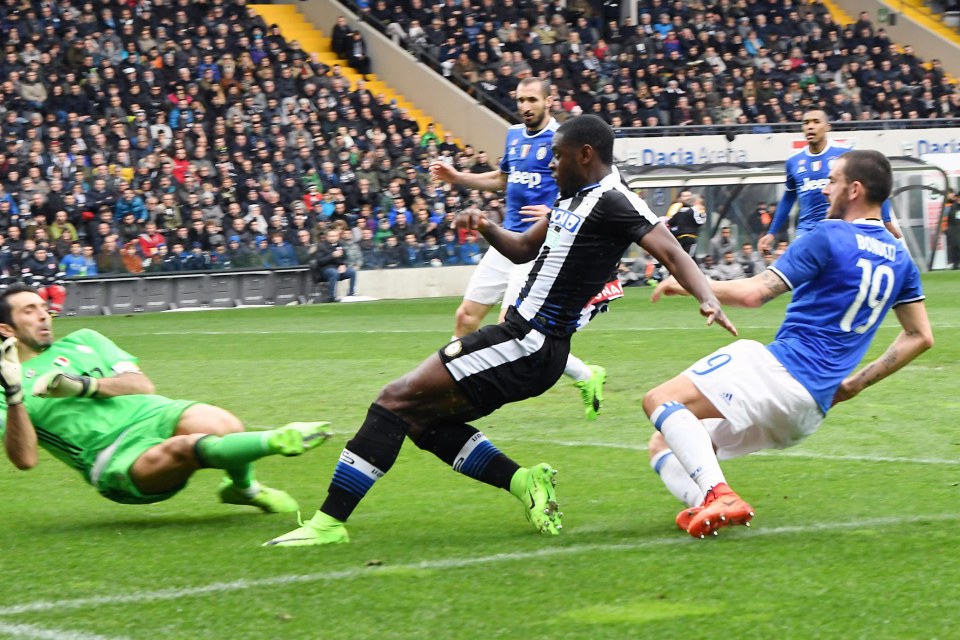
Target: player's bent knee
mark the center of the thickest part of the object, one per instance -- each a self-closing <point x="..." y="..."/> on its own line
<point x="652" y="400"/>
<point x="208" y="419"/>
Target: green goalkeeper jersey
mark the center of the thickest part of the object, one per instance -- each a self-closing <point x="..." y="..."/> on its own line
<point x="75" y="430"/>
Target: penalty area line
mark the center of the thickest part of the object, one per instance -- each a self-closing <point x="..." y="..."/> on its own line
<point x="136" y="597"/>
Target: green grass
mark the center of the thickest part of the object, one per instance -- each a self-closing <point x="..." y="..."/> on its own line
<point x="854" y="534"/>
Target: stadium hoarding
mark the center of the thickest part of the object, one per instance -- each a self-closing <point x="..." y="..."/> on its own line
<point x="774" y="147"/>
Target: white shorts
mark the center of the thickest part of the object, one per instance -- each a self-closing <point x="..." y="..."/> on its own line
<point x="764" y="407"/>
<point x="496" y="279"/>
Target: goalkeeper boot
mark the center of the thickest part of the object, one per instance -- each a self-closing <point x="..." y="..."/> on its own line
<point x="318" y="530"/>
<point x="591" y="391"/>
<point x="540" y="499"/>
<point x="685" y="516"/>
<point x="266" y="499"/>
<point x="721" y="508"/>
<point x="299" y="437"/>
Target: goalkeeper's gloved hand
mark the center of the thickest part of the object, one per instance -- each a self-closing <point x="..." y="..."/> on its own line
<point x="64" y="385"/>
<point x="10" y="376"/>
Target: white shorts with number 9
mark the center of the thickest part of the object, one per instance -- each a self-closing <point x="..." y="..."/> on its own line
<point x="764" y="407"/>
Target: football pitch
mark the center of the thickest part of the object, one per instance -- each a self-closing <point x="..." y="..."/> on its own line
<point x="854" y="535"/>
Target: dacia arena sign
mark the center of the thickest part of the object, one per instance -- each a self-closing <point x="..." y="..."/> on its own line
<point x="772" y="147"/>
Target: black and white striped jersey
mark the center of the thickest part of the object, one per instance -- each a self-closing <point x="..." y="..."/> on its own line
<point x="587" y="236"/>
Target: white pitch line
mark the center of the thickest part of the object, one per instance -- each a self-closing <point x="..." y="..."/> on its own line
<point x="592" y="329"/>
<point x="427" y="565"/>
<point x="33" y="631"/>
<point x="389" y="331"/>
<point x="770" y="452"/>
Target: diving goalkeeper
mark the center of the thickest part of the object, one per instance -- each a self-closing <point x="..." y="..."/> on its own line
<point x="85" y="400"/>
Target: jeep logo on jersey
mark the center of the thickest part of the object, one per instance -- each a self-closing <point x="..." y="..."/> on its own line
<point x="565" y="220"/>
<point x="811" y="185"/>
<point x="529" y="178"/>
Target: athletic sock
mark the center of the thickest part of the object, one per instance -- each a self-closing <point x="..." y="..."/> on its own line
<point x="232" y="450"/>
<point x="577" y="369"/>
<point x="366" y="458"/>
<point x="469" y="452"/>
<point x="676" y="478"/>
<point x="243" y="479"/>
<point x="690" y="442"/>
<point x="518" y="484"/>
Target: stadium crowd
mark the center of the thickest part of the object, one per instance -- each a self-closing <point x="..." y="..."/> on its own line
<point x="169" y="135"/>
<point x="684" y="62"/>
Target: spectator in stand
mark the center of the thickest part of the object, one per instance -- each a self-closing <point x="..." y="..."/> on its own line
<point x="722" y="244"/>
<point x="197" y="259"/>
<point x="109" y="258"/>
<point x="750" y="260"/>
<point x="729" y="268"/>
<point x="357" y="54"/>
<point x="329" y="264"/>
<point x="410" y="255"/>
<point x="391" y="253"/>
<point x="41" y="271"/>
<point x="90" y="258"/>
<point x="282" y="253"/>
<point x="74" y="264"/>
<point x="130" y="254"/>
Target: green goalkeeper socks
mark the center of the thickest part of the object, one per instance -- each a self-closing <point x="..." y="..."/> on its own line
<point x="233" y="450"/>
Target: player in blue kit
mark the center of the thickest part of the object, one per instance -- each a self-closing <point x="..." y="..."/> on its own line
<point x="807" y="174"/>
<point x="845" y="275"/>
<point x="524" y="173"/>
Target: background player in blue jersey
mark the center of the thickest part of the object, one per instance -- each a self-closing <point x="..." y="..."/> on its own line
<point x="845" y="275"/>
<point x="807" y="173"/>
<point x="531" y="190"/>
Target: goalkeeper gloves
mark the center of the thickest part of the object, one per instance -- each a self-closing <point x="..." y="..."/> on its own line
<point x="10" y="376"/>
<point x="65" y="385"/>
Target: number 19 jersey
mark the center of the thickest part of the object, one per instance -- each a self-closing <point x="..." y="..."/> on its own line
<point x="845" y="276"/>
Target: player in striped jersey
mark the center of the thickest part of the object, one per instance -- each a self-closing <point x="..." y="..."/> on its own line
<point x="595" y="219"/>
<point x="524" y="174"/>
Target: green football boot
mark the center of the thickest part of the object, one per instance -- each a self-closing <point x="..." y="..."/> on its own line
<point x="591" y="391"/>
<point x="299" y="437"/>
<point x="540" y="499"/>
<point x="266" y="499"/>
<point x="318" y="530"/>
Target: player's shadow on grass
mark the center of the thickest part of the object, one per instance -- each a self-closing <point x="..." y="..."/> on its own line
<point x="169" y="521"/>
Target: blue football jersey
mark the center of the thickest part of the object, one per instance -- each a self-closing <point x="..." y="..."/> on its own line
<point x="526" y="161"/>
<point x="807" y="175"/>
<point x="845" y="276"/>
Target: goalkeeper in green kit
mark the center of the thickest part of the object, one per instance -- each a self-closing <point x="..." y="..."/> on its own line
<point x="85" y="400"/>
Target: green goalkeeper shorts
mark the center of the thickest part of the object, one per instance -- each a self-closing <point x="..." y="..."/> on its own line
<point x="111" y="474"/>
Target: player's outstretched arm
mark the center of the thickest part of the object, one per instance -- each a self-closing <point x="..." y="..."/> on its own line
<point x="517" y="247"/>
<point x="664" y="247"/>
<point x="916" y="337"/>
<point x="747" y="292"/>
<point x="65" y="385"/>
<point x="495" y="180"/>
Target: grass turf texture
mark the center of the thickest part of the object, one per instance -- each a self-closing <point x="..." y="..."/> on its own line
<point x="855" y="534"/>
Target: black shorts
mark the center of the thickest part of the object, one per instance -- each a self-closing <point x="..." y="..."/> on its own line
<point x="505" y="362"/>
